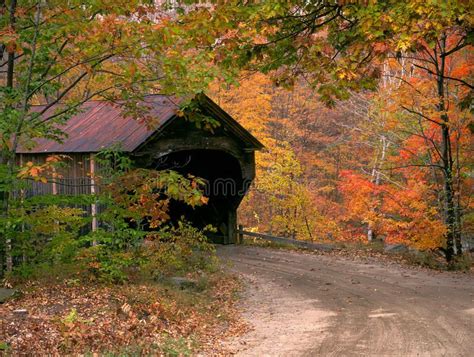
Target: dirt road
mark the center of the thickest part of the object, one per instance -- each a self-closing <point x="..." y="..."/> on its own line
<point x="310" y="305"/>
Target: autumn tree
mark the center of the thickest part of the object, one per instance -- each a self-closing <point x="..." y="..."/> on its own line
<point x="405" y="114"/>
<point x="56" y="55"/>
<point x="283" y="199"/>
<point x="339" y="47"/>
<point x="67" y="53"/>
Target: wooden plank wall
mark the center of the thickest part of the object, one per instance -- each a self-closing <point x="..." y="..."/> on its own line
<point x="73" y="179"/>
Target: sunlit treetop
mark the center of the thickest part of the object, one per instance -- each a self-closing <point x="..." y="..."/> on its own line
<point x="336" y="46"/>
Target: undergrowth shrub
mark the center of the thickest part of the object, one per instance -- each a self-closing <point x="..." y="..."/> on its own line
<point x="177" y="250"/>
<point x="46" y="233"/>
<point x="463" y="262"/>
<point x="168" y="251"/>
<point x="425" y="259"/>
<point x="42" y="237"/>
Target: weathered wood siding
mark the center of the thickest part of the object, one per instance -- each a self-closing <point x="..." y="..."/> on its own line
<point x="73" y="178"/>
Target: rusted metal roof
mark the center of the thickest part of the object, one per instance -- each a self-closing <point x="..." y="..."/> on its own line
<point x="99" y="125"/>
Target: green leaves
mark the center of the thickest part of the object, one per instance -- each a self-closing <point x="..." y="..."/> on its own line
<point x="319" y="40"/>
<point x="96" y="49"/>
<point x="192" y="112"/>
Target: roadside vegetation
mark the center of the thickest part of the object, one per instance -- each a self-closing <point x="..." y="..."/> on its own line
<point x="398" y="254"/>
<point x="136" y="285"/>
<point x="134" y="318"/>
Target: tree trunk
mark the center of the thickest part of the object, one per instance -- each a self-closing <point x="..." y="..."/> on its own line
<point x="11" y="53"/>
<point x="376" y="180"/>
<point x="458" y="207"/>
<point x="458" y="226"/>
<point x="446" y="157"/>
<point x="7" y="158"/>
<point x="449" y="218"/>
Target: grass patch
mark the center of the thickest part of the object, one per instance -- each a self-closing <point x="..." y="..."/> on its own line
<point x="464" y="262"/>
<point x="176" y="347"/>
<point x="425" y="259"/>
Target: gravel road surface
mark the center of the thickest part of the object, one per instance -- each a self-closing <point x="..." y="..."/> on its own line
<point x="301" y="304"/>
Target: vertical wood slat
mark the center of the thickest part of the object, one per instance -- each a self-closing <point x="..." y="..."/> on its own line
<point x="93" y="191"/>
<point x="71" y="179"/>
<point x="54" y="185"/>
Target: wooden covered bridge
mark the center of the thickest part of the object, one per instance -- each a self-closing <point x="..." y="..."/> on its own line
<point x="225" y="156"/>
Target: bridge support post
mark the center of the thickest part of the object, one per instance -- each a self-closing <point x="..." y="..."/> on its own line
<point x="240" y="236"/>
<point x="231" y="227"/>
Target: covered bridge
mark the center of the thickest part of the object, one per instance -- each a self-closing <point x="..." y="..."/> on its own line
<point x="225" y="156"/>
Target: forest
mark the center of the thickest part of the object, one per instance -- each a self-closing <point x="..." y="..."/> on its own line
<point x="364" y="109"/>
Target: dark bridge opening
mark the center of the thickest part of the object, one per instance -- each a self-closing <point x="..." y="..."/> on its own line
<point x="225" y="188"/>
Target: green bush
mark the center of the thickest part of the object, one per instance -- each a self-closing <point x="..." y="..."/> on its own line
<point x="177" y="250"/>
<point x="133" y="235"/>
<point x="168" y="251"/>
<point x="42" y="236"/>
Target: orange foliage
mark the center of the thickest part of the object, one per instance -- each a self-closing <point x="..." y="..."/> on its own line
<point x="369" y="165"/>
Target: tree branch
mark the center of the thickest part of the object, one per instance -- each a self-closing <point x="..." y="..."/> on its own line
<point x="421" y="115"/>
<point x="445" y="77"/>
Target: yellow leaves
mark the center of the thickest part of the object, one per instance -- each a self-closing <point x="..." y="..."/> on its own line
<point x="404" y="44"/>
<point x="345" y="71"/>
<point x="341" y="74"/>
<point x="71" y="317"/>
<point x="33" y="171"/>
<point x="40" y="172"/>
<point x="54" y="219"/>
<point x="326" y="189"/>
<point x="249" y="103"/>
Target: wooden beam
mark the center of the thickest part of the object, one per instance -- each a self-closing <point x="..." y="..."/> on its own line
<point x="282" y="240"/>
